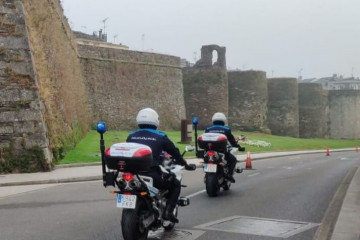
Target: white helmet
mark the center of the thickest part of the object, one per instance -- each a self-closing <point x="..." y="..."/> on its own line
<point x="219" y="117"/>
<point x="148" y="116"/>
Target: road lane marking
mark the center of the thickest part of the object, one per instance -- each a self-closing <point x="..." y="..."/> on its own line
<point x="254" y="174"/>
<point x="195" y="194"/>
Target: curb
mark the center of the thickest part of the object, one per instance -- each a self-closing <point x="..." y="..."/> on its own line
<point x="52" y="181"/>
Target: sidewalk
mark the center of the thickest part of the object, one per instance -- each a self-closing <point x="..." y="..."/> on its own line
<point x="346" y="228"/>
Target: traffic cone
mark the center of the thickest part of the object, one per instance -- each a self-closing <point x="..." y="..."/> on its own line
<point x="248" y="161"/>
<point x="357" y="149"/>
<point x="327" y="151"/>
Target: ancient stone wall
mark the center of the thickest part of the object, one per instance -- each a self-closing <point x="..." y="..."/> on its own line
<point x="22" y="124"/>
<point x="206" y="86"/>
<point x="313" y="111"/>
<point x="283" y="108"/>
<point x="344" y="114"/>
<point x="248" y="97"/>
<point x="43" y="104"/>
<point x="121" y="82"/>
<point x="58" y="70"/>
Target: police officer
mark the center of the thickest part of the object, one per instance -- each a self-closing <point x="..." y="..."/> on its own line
<point x="218" y="126"/>
<point x="147" y="134"/>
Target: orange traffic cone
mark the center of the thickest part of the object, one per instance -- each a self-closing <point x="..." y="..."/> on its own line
<point x="357" y="149"/>
<point x="327" y="151"/>
<point x="248" y="161"/>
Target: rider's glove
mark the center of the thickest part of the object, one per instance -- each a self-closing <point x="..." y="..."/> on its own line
<point x="242" y="149"/>
<point x="190" y="167"/>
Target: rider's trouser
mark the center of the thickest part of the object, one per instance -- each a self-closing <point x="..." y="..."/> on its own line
<point x="173" y="186"/>
<point x="232" y="162"/>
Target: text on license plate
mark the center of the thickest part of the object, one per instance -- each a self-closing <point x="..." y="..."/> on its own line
<point x="126" y="201"/>
<point x="210" y="167"/>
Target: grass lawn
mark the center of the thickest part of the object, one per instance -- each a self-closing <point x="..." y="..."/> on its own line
<point x="88" y="149"/>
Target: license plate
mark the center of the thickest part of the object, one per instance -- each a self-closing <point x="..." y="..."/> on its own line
<point x="210" y="167"/>
<point x="126" y="201"/>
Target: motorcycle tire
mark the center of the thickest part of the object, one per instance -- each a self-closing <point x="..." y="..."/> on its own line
<point x="168" y="225"/>
<point x="212" y="184"/>
<point x="132" y="228"/>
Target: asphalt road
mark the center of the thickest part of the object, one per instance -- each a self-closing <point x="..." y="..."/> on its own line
<point x="284" y="197"/>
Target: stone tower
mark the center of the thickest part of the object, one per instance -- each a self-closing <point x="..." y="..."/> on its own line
<point x="206" y="86"/>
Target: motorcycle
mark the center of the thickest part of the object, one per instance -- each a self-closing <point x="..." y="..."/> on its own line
<point x="216" y="168"/>
<point x="142" y="203"/>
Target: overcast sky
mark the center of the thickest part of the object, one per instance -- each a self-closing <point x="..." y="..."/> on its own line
<point x="284" y="38"/>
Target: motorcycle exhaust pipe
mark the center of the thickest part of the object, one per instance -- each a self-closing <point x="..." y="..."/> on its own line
<point x="134" y="184"/>
<point x="122" y="184"/>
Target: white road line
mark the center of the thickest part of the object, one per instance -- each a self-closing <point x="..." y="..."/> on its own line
<point x="195" y="194"/>
<point x="254" y="174"/>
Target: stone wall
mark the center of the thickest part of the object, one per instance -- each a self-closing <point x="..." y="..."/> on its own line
<point x="248" y="97"/>
<point x="58" y="70"/>
<point x="283" y="108"/>
<point x="344" y="114"/>
<point x="42" y="97"/>
<point x="313" y="111"/>
<point x="206" y="86"/>
<point x="22" y="124"/>
<point x="121" y="82"/>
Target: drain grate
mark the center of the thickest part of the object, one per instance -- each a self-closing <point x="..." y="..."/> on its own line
<point x="175" y="234"/>
<point x="258" y="226"/>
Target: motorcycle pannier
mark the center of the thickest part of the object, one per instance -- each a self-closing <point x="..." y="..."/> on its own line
<point x="213" y="141"/>
<point x="128" y="157"/>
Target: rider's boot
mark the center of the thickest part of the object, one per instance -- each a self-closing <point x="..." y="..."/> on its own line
<point x="169" y="213"/>
<point x="230" y="178"/>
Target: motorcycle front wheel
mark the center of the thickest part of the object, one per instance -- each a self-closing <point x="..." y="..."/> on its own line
<point x="212" y="184"/>
<point x="131" y="225"/>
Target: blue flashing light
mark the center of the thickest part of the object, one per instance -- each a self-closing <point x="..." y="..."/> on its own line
<point x="101" y="127"/>
<point x="195" y="120"/>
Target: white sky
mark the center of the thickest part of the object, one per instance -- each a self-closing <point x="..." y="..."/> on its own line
<point x="316" y="38"/>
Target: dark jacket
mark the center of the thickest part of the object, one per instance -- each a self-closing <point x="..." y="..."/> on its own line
<point x="158" y="142"/>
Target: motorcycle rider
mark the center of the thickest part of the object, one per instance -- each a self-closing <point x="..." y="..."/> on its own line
<point x="219" y="126"/>
<point x="147" y="134"/>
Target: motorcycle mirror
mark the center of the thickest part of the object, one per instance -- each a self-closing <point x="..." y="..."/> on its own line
<point x="189" y="148"/>
<point x="101" y="127"/>
<point x="195" y="120"/>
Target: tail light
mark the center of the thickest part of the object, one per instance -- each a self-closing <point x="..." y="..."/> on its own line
<point x="128" y="176"/>
<point x="211" y="153"/>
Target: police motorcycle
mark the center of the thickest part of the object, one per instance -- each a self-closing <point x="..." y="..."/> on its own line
<point x="143" y="204"/>
<point x="213" y="148"/>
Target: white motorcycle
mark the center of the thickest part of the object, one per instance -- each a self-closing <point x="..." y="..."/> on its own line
<point x="142" y="203"/>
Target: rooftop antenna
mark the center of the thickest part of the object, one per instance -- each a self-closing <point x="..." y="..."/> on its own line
<point x="115" y="36"/>
<point x="300" y="77"/>
<point x="104" y="21"/>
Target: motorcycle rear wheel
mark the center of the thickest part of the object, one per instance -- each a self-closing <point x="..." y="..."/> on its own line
<point x="212" y="184"/>
<point x="132" y="228"/>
